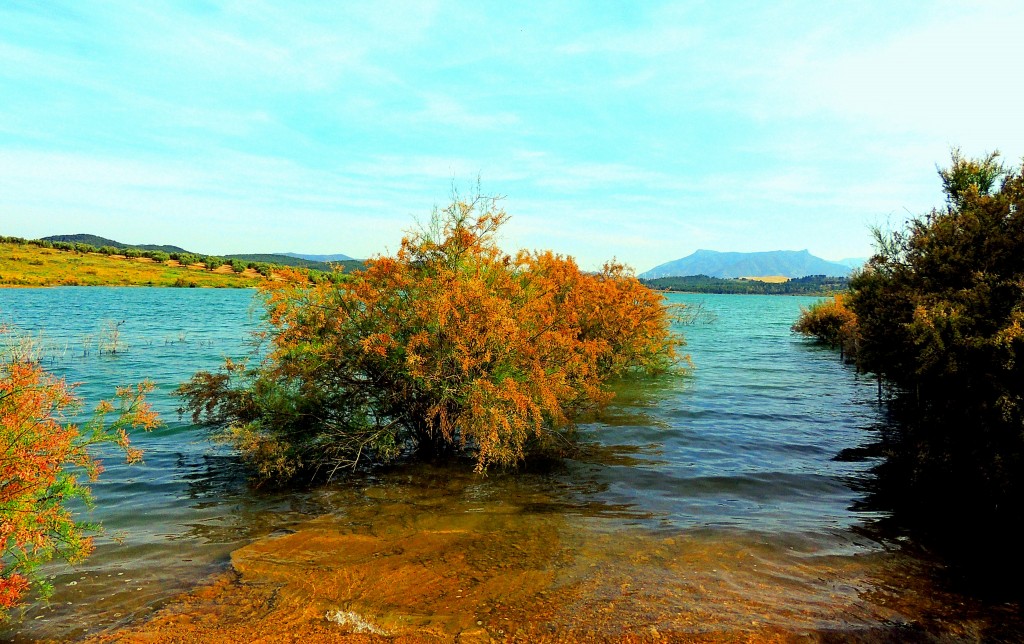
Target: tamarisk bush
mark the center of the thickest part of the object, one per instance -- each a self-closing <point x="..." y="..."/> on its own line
<point x="43" y="460"/>
<point x="449" y="348"/>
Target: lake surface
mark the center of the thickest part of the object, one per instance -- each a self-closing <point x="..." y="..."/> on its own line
<point x="703" y="505"/>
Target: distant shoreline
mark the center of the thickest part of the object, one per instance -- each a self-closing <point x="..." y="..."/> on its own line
<point x="812" y="285"/>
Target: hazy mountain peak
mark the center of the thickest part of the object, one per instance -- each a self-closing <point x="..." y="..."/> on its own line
<point x="337" y="257"/>
<point x="789" y="263"/>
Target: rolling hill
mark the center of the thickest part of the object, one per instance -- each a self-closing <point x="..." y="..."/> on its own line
<point x="98" y="242"/>
<point x="789" y="263"/>
<point x="315" y="262"/>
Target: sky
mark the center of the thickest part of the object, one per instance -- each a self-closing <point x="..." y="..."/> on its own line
<point x="640" y="131"/>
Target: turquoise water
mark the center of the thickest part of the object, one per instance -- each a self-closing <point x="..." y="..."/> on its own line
<point x="743" y="449"/>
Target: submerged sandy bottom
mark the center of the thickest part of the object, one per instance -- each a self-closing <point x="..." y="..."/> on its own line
<point x="428" y="570"/>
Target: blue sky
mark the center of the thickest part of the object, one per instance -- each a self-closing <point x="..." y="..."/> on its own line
<point x="642" y="131"/>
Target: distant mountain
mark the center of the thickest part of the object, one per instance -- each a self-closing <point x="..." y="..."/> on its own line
<point x="338" y="257"/>
<point x="853" y="262"/>
<point x="99" y="242"/>
<point x="790" y="263"/>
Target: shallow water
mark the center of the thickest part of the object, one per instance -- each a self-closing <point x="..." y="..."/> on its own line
<point x="705" y="506"/>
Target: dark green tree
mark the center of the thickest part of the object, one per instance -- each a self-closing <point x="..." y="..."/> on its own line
<point x="940" y="310"/>
<point x="965" y="175"/>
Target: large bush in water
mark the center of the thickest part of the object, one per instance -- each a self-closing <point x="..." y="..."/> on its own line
<point x="450" y="347"/>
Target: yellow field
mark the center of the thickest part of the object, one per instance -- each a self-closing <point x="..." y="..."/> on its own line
<point x="30" y="265"/>
<point x="769" y="279"/>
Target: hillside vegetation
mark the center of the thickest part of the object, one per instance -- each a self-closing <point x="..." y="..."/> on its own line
<point x="30" y="265"/>
<point x="44" y="263"/>
<point x="99" y="242"/>
<point x="322" y="263"/>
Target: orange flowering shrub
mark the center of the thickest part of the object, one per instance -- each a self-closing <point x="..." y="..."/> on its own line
<point x="450" y="347"/>
<point x="831" y="322"/>
<point x="41" y="461"/>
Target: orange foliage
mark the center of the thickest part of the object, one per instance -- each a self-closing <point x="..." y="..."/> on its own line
<point x="41" y="458"/>
<point x="450" y="346"/>
<point x="831" y="322"/>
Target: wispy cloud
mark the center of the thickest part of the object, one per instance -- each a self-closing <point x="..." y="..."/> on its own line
<point x="656" y="41"/>
<point x="639" y="131"/>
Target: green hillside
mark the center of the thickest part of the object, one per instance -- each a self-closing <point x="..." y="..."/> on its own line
<point x="276" y="259"/>
<point x="99" y="242"/>
<point x="72" y="260"/>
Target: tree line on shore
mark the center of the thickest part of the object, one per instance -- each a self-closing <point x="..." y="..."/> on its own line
<point x="807" y="285"/>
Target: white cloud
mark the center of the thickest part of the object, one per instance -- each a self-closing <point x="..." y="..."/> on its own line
<point x="950" y="80"/>
<point x="226" y="204"/>
<point x="440" y="109"/>
<point x="614" y="131"/>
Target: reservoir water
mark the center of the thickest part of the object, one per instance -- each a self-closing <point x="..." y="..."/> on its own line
<point x="709" y="506"/>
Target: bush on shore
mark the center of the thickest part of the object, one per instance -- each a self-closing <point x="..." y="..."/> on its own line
<point x="42" y="462"/>
<point x="831" y="322"/>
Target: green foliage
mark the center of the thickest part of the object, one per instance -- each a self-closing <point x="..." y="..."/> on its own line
<point x="262" y="268"/>
<point x="942" y="301"/>
<point x="970" y="178"/>
<point x="213" y="262"/>
<point x="449" y="348"/>
<point x="940" y="308"/>
<point x="92" y="240"/>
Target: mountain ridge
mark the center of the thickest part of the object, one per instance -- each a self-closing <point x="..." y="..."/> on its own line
<point x="788" y="263"/>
